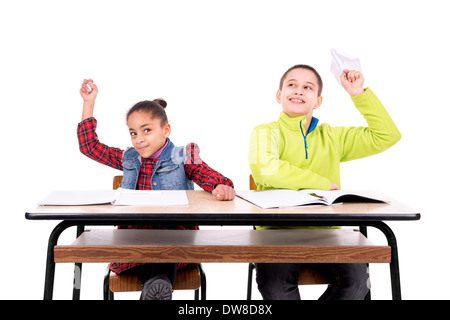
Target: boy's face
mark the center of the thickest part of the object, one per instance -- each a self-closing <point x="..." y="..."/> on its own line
<point x="147" y="134"/>
<point x="299" y="94"/>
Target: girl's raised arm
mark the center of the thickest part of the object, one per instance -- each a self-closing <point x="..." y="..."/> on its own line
<point x="88" y="92"/>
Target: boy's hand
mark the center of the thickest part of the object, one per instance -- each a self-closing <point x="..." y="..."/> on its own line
<point x="88" y="90"/>
<point x="333" y="186"/>
<point x="353" y="82"/>
<point x="224" y="192"/>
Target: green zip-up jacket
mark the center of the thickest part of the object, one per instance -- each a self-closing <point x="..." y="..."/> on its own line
<point x="283" y="155"/>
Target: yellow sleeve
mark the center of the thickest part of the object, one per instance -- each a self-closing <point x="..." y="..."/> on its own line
<point x="380" y="134"/>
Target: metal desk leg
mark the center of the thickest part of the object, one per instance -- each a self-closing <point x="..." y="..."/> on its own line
<point x="50" y="267"/>
<point x="77" y="271"/>
<point x="363" y="230"/>
<point x="394" y="265"/>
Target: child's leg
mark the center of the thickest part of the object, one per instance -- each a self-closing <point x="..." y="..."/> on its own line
<point x="348" y="281"/>
<point x="278" y="281"/>
<point x="157" y="280"/>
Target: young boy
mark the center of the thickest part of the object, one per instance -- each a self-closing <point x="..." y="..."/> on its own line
<point x="297" y="153"/>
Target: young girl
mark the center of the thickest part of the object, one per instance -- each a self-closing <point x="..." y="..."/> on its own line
<point x="152" y="163"/>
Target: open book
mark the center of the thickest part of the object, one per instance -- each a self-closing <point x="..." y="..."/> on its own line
<point x="116" y="197"/>
<point x="281" y="198"/>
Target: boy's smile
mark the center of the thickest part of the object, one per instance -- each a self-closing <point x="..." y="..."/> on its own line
<point x="299" y="94"/>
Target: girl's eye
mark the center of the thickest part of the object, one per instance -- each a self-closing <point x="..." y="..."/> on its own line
<point x="132" y="133"/>
<point x="308" y="87"/>
<point x="291" y="85"/>
<point x="147" y="130"/>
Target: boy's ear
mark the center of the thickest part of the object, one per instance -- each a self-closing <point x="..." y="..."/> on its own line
<point x="319" y="102"/>
<point x="278" y="96"/>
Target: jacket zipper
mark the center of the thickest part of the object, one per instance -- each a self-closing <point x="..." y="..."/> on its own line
<point x="304" y="139"/>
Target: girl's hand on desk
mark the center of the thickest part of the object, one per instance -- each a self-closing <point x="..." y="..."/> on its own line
<point x="224" y="192"/>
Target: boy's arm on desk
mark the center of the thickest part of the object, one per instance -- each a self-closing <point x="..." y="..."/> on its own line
<point x="380" y="134"/>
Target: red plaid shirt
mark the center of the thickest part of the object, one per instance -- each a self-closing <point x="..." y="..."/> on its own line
<point x="195" y="169"/>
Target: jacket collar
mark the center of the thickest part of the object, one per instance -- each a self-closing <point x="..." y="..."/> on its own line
<point x="295" y="123"/>
<point x="167" y="152"/>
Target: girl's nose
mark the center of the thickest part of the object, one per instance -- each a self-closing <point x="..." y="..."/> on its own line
<point x="139" y="138"/>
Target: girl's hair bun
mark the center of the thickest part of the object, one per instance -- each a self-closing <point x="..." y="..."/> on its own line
<point x="161" y="102"/>
<point x="155" y="108"/>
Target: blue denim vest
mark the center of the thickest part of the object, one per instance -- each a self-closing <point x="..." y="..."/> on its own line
<point x="168" y="173"/>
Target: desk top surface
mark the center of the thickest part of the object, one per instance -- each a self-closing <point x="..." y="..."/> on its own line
<point x="204" y="208"/>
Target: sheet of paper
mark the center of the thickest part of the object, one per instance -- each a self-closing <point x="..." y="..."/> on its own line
<point x="116" y="197"/>
<point x="340" y="61"/>
<point x="78" y="197"/>
<point x="126" y="197"/>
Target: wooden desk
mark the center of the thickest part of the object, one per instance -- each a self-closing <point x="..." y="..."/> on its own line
<point x="204" y="209"/>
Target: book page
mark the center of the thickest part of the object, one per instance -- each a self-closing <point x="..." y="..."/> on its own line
<point x="282" y="198"/>
<point x="78" y="197"/>
<point x="126" y="197"/>
<point x="279" y="198"/>
<point x="331" y="196"/>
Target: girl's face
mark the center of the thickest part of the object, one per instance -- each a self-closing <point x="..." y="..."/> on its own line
<point x="147" y="134"/>
<point x="299" y="94"/>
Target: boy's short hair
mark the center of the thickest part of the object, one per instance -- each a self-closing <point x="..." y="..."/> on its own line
<point x="304" y="66"/>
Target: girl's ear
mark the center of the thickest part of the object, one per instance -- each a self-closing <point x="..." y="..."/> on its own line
<point x="167" y="130"/>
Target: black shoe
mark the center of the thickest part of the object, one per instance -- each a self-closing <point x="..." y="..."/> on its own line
<point x="157" y="288"/>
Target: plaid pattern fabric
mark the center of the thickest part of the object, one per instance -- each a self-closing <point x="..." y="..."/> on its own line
<point x="195" y="169"/>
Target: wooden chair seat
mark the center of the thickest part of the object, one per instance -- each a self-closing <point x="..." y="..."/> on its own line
<point x="187" y="279"/>
<point x="311" y="276"/>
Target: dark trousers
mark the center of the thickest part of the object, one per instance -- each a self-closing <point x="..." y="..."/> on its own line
<point x="279" y="281"/>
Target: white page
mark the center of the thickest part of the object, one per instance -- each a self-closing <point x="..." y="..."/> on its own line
<point x="283" y="198"/>
<point x="332" y="195"/>
<point x="151" y="197"/>
<point x="277" y="198"/>
<point x="78" y="197"/>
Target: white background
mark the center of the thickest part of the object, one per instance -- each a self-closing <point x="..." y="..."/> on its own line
<point x="218" y="65"/>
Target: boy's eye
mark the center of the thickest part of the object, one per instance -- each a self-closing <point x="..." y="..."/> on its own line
<point x="147" y="130"/>
<point x="132" y="133"/>
<point x="308" y="87"/>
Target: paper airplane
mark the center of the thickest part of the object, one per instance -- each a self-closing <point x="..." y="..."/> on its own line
<point x="340" y="61"/>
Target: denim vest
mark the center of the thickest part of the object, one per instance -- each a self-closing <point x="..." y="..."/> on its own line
<point x="168" y="173"/>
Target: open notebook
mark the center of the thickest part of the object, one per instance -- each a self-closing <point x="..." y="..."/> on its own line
<point x="281" y="198"/>
<point x="116" y="197"/>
